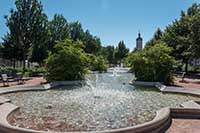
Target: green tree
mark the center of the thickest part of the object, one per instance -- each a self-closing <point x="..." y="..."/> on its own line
<point x="195" y="29"/>
<point x="121" y="51"/>
<point x="96" y="63"/>
<point x="154" y="64"/>
<point x="76" y="31"/>
<point x="27" y="26"/>
<point x="92" y="44"/>
<point x="157" y="37"/>
<point x="182" y="36"/>
<point x="59" y="30"/>
<point x="67" y="62"/>
<point x="108" y="53"/>
<point x="111" y="52"/>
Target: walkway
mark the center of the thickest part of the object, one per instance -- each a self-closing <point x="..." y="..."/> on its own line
<point x="184" y="126"/>
<point x="33" y="81"/>
<point x="33" y="84"/>
<point x="181" y="90"/>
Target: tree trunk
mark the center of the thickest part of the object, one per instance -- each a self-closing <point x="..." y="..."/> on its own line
<point x="24" y="63"/>
<point x="186" y="66"/>
<point x="28" y="64"/>
<point x="14" y="63"/>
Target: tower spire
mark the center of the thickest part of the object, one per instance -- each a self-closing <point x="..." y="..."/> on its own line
<point x="139" y="42"/>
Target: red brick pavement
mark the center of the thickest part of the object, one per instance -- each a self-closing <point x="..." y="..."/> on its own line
<point x="31" y="82"/>
<point x="184" y="126"/>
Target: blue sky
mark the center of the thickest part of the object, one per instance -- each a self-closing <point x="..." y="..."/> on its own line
<point x="111" y="20"/>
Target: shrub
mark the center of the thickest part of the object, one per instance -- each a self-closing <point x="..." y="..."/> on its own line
<point x="67" y="62"/>
<point x="10" y="71"/>
<point x="33" y="71"/>
<point x="97" y="63"/>
<point x="153" y="64"/>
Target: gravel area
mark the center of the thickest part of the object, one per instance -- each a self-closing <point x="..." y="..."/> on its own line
<point x="106" y="102"/>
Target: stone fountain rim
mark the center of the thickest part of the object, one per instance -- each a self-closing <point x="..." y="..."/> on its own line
<point x="161" y="122"/>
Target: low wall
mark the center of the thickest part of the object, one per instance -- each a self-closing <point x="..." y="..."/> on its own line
<point x="143" y="83"/>
<point x="185" y="113"/>
<point x="55" y="84"/>
<point x="158" y="85"/>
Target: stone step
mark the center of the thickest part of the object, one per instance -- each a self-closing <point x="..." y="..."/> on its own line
<point x="191" y="104"/>
<point x="4" y="100"/>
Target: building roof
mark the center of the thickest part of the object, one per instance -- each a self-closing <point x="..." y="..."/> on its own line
<point x="139" y="37"/>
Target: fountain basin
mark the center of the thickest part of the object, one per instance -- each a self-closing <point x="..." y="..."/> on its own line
<point x="102" y="105"/>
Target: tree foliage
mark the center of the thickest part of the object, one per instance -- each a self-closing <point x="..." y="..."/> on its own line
<point x="96" y="63"/>
<point x="92" y="44"/>
<point x="108" y="52"/>
<point x="183" y="35"/>
<point x="157" y="37"/>
<point x="67" y="62"/>
<point x="154" y="64"/>
<point x="58" y="30"/>
<point x="27" y="28"/>
<point x="121" y="51"/>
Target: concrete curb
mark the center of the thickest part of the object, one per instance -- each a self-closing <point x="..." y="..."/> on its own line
<point x="3" y="100"/>
<point x="63" y="83"/>
<point x="163" y="88"/>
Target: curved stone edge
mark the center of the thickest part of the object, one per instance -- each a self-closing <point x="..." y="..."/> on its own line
<point x="6" y="110"/>
<point x="159" y="124"/>
<point x="4" y="100"/>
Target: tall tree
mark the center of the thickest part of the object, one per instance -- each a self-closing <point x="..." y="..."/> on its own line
<point x="92" y="44"/>
<point x="28" y="26"/>
<point x="10" y="50"/>
<point x="195" y="28"/>
<point x="76" y="31"/>
<point x="156" y="38"/>
<point x="121" y="51"/>
<point x="183" y="36"/>
<point x="111" y="51"/>
<point x="59" y="30"/>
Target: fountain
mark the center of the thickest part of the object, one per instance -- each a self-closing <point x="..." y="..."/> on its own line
<point x="104" y="103"/>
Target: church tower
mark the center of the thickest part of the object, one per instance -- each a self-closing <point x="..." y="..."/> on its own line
<point x="139" y="42"/>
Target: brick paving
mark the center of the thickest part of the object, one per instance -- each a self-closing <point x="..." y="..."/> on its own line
<point x="188" y="83"/>
<point x="33" y="81"/>
<point x="184" y="126"/>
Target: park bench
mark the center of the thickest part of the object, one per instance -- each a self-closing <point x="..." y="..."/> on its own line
<point x="181" y="75"/>
<point x="5" y="79"/>
<point x="19" y="78"/>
